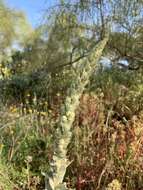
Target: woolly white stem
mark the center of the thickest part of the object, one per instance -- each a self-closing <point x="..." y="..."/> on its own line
<point x="82" y="74"/>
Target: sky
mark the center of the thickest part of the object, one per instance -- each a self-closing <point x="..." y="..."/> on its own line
<point x="34" y="9"/>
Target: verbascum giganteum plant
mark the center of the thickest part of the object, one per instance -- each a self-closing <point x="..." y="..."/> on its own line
<point x="82" y="73"/>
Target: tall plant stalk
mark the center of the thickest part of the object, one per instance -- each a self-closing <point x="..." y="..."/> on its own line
<point x="82" y="73"/>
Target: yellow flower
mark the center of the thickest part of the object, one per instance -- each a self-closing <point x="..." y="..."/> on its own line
<point x="24" y="110"/>
<point x="114" y="185"/>
<point x="43" y="113"/>
<point x="1" y="146"/>
<point x="6" y="71"/>
<point x="11" y="132"/>
<point x="28" y="95"/>
<point x="30" y="110"/>
<point x="13" y="109"/>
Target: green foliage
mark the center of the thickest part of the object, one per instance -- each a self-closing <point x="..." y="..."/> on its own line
<point x="27" y="144"/>
<point x="122" y="90"/>
<point x="5" y="181"/>
<point x="12" y="23"/>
